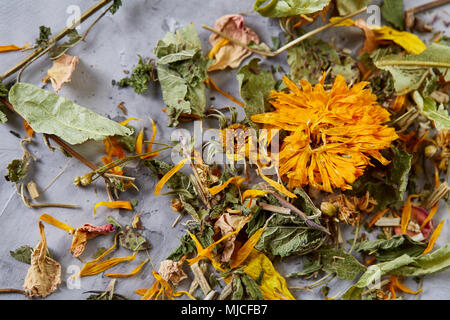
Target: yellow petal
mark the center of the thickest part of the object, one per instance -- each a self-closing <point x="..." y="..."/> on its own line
<point x="120" y="204"/>
<point x="150" y="146"/>
<point x="139" y="141"/>
<point x="12" y="47"/>
<point x="434" y="237"/>
<point x="406" y="213"/>
<point x="54" y="222"/>
<point x="207" y="252"/>
<point x="90" y="269"/>
<point x="277" y="186"/>
<point x="216" y="48"/>
<point x="132" y="273"/>
<point x="236" y="180"/>
<point x="125" y="122"/>
<point x="169" y="175"/>
<point x="253" y="193"/>
<point x="246" y="249"/>
<point x="273" y="285"/>
<point x="408" y="41"/>
<point x="430" y="215"/>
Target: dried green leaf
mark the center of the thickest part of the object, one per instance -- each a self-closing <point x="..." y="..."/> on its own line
<point x="255" y="85"/>
<point x="343" y="264"/>
<point x="182" y="70"/>
<point x="404" y="265"/>
<point x="346" y="7"/>
<point x="287" y="8"/>
<point x="251" y="288"/>
<point x="133" y="240"/>
<point x="390" y="249"/>
<point x="438" y="114"/>
<point x="409" y="71"/>
<point x="309" y="267"/>
<point x="22" y="254"/>
<point x="288" y="235"/>
<point x="392" y="12"/>
<point x="47" y="112"/>
<point x="310" y="58"/>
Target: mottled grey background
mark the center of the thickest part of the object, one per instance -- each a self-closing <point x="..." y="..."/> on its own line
<point x="110" y="48"/>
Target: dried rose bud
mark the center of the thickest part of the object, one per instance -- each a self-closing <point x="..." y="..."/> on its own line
<point x="328" y="208"/>
<point x="430" y="150"/>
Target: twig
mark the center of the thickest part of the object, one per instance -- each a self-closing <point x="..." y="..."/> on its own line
<point x="200" y="277"/>
<point x="57" y="176"/>
<point x="288" y="45"/>
<point x="53" y="40"/>
<point x="11" y="290"/>
<point x="272" y="208"/>
<point x="301" y="214"/>
<point x="358" y="225"/>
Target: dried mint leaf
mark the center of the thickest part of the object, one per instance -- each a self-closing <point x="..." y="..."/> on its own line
<point x="390" y="249"/>
<point x="22" y="254"/>
<point x="47" y="112"/>
<point x="343" y="264"/>
<point x="255" y="85"/>
<point x="288" y="235"/>
<point x="116" y="5"/>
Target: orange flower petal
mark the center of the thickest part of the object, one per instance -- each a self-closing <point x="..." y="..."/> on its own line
<point x="406" y="213"/>
<point x="246" y="249"/>
<point x="132" y="273"/>
<point x="236" y="180"/>
<point x="120" y="204"/>
<point x="434" y="237"/>
<point x="169" y="175"/>
<point x="54" y="222"/>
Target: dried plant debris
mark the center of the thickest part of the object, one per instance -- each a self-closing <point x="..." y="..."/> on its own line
<point x="347" y="177"/>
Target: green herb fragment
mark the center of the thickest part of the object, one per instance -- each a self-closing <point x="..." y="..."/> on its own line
<point x="182" y="70"/>
<point x="392" y="12"/>
<point x="17" y="170"/>
<point x="410" y="71"/>
<point x="390" y="249"/>
<point x="255" y="85"/>
<point x="133" y="240"/>
<point x="245" y="288"/>
<point x="140" y="76"/>
<point x="44" y="34"/>
<point x="115" y="6"/>
<point x="47" y="112"/>
<point x="74" y="39"/>
<point x="23" y="254"/>
<point x="288" y="8"/>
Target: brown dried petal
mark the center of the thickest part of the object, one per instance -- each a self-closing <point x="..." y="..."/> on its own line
<point x="171" y="271"/>
<point x="62" y="70"/>
<point x="44" y="274"/>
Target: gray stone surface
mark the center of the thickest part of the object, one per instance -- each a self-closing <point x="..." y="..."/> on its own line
<point x="110" y="48"/>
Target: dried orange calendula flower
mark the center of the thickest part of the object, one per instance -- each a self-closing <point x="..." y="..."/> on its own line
<point x="333" y="133"/>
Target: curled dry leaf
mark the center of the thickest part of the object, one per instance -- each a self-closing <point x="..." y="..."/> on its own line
<point x="172" y="271"/>
<point x="44" y="274"/>
<point x="228" y="54"/>
<point x="227" y="224"/>
<point x="85" y="233"/>
<point x="62" y="70"/>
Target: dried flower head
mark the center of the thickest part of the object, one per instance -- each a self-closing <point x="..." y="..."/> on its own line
<point x="332" y="134"/>
<point x="348" y="208"/>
